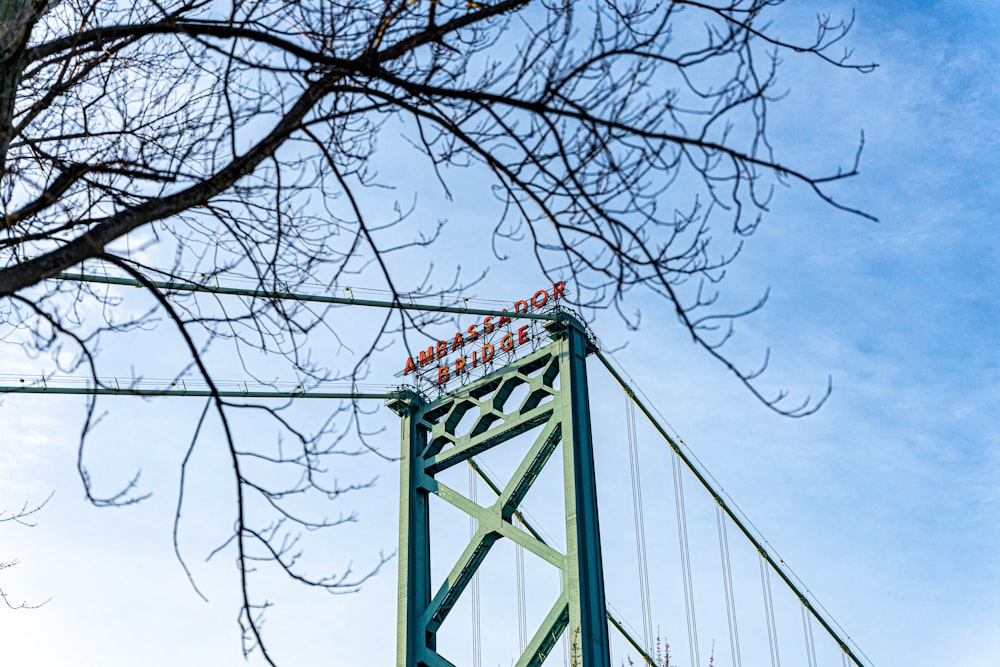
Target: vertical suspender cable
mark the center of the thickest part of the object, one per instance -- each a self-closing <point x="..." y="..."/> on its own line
<point x="808" y="633"/>
<point x="522" y="628"/>
<point x="821" y="615"/>
<point x="727" y="582"/>
<point x="772" y="630"/>
<point x="640" y="525"/>
<point x="682" y="537"/>
<point x="477" y="640"/>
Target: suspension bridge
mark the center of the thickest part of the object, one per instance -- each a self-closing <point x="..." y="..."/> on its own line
<point x="504" y="522"/>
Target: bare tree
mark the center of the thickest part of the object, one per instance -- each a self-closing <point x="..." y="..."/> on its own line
<point x="626" y="145"/>
<point x="20" y="517"/>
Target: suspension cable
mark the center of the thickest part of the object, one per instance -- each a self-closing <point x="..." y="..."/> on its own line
<point x="727" y="582"/>
<point x="853" y="653"/>
<point x="640" y="525"/>
<point x="772" y="630"/>
<point x="477" y="639"/>
<point x="522" y="627"/>
<point x="395" y="303"/>
<point x="682" y="537"/>
<point x="808" y="634"/>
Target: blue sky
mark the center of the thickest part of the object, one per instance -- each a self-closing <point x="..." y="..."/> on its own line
<point x="885" y="503"/>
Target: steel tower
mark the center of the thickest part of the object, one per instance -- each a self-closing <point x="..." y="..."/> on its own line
<point x="556" y="376"/>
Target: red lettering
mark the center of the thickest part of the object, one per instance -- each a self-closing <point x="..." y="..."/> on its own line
<point x="490" y="324"/>
<point x="558" y="290"/>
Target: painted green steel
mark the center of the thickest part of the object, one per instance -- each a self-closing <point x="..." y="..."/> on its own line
<point x="632" y="640"/>
<point x="431" y="445"/>
<point x="615" y="623"/>
<point x="806" y="602"/>
<point x="414" y="534"/>
<point x="585" y="583"/>
<point x="291" y="296"/>
<point x="582" y="530"/>
<point x="107" y="391"/>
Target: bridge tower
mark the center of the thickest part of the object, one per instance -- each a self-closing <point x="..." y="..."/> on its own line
<point x="556" y="400"/>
